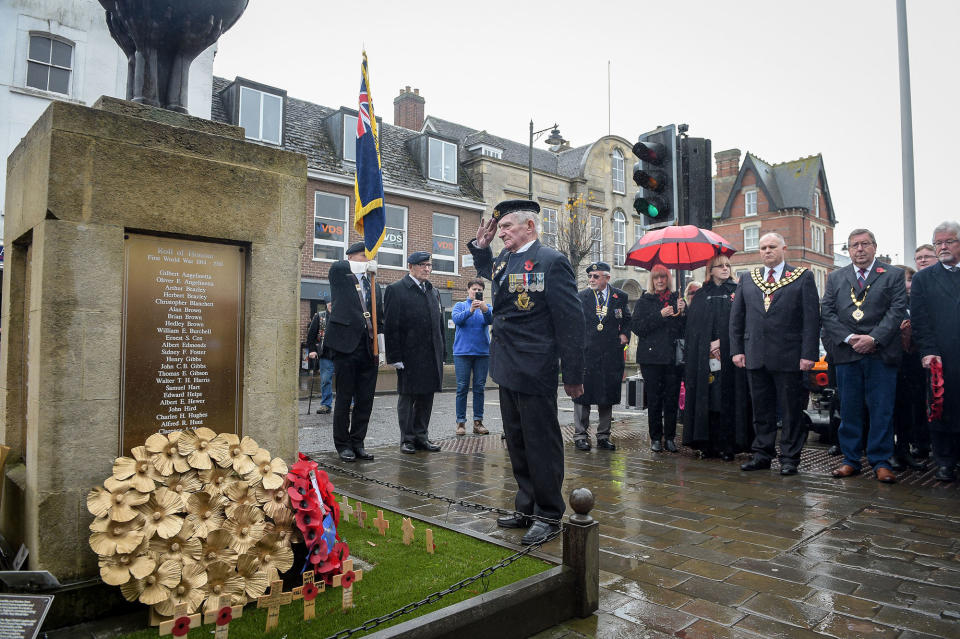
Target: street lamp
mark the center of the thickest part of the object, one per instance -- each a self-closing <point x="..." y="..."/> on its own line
<point x="555" y="139"/>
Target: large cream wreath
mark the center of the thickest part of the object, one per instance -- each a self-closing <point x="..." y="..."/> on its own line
<point x="191" y="516"/>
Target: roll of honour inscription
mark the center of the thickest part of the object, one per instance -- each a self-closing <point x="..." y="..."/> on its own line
<point x="182" y="337"/>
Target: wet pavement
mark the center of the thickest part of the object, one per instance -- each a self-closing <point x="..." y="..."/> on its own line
<point x="696" y="548"/>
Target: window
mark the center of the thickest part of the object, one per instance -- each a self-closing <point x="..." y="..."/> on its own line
<point x="751" y="238"/>
<point x="548" y="232"/>
<point x="261" y="115"/>
<point x="444" y="243"/>
<point x="616" y="169"/>
<point x="637" y="234"/>
<point x="329" y="226"/>
<point x="817" y="238"/>
<point x="619" y="238"/>
<point x="816" y="202"/>
<point x="49" y="64"/>
<point x="819" y="278"/>
<point x="393" y="251"/>
<point x="443" y="161"/>
<point x="750" y="203"/>
<point x="350" y="137"/>
<point x="489" y="151"/>
<point x="596" y="233"/>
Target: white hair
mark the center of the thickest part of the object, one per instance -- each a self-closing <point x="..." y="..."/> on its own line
<point x="947" y="227"/>
<point x="783" y="242"/>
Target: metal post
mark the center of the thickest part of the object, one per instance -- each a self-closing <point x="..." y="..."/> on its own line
<point x="530" y="165"/>
<point x="581" y="553"/>
<point x="906" y="137"/>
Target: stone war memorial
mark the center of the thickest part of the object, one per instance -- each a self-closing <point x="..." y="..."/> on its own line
<point x="151" y="286"/>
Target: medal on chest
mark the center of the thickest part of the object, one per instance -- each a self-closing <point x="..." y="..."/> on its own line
<point x="601" y="310"/>
<point x="858" y="302"/>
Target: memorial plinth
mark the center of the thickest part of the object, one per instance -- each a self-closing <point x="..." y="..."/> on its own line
<point x="108" y="210"/>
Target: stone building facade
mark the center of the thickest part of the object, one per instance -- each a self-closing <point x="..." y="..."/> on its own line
<point x="790" y="198"/>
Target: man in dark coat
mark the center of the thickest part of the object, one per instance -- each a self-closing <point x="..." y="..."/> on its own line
<point x="607" y="318"/>
<point x="774" y="333"/>
<point x="349" y="339"/>
<point x="319" y="358"/>
<point x="934" y="308"/>
<point x="536" y="321"/>
<point x="863" y="305"/>
<point x="416" y="345"/>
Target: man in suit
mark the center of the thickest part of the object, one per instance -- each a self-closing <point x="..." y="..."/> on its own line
<point x="320" y="358"/>
<point x="774" y="330"/>
<point x="607" y="318"/>
<point x="934" y="307"/>
<point x="863" y="305"/>
<point x="349" y="338"/>
<point x="416" y="345"/>
<point x="536" y="321"/>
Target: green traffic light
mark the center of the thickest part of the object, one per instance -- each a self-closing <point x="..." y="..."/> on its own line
<point x="652" y="211"/>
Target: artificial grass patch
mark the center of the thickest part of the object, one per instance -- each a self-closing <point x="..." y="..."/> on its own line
<point x="400" y="575"/>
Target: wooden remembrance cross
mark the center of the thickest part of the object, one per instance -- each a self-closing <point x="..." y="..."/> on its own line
<point x="222" y="614"/>
<point x="180" y="621"/>
<point x="272" y="603"/>
<point x="380" y="523"/>
<point x="308" y="592"/>
<point x="350" y="576"/>
<point x="346" y="509"/>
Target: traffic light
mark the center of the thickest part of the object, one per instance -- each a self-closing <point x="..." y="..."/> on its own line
<point x="697" y="182"/>
<point x="656" y="175"/>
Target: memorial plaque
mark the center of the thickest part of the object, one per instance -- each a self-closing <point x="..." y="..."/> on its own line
<point x="182" y="337"/>
<point x="22" y="615"/>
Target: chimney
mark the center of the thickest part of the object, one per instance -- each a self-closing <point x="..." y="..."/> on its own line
<point x="408" y="109"/>
<point x="728" y="163"/>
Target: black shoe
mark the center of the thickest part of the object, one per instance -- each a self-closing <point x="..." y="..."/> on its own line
<point x="362" y="453"/>
<point x="538" y="532"/>
<point x="670" y="445"/>
<point x="347" y="455"/>
<point x="834" y="450"/>
<point x="913" y="462"/>
<point x="945" y="473"/>
<point x="726" y="456"/>
<point x="606" y="444"/>
<point x="323" y="410"/>
<point x="408" y="448"/>
<point x="656" y="447"/>
<point x="514" y="521"/>
<point x="919" y="453"/>
<point x="897" y="463"/>
<point x="583" y="444"/>
<point x="755" y="464"/>
<point x="427" y="445"/>
<point x="788" y="469"/>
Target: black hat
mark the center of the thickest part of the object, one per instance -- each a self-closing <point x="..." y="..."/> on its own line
<point x="418" y="257"/>
<point x="356" y="247"/>
<point x="598" y="266"/>
<point x="511" y="206"/>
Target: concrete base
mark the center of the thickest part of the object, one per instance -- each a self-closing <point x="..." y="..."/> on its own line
<point x="79" y="180"/>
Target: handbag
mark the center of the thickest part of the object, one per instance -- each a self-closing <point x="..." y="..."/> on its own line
<point x="680" y="345"/>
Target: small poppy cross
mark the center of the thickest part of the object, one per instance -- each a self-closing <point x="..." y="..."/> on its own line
<point x="345" y="580"/>
<point x="181" y="622"/>
<point x="308" y="592"/>
<point x="430" y="545"/>
<point x="361" y="515"/>
<point x="380" y="523"/>
<point x="345" y="508"/>
<point x="272" y="603"/>
<point x="222" y="613"/>
<point x="407" y="529"/>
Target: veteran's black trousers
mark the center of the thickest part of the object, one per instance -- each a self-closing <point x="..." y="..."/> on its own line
<point x="662" y="386"/>
<point x="770" y="390"/>
<point x="356" y="381"/>
<point x="536" y="451"/>
<point x="413" y="413"/>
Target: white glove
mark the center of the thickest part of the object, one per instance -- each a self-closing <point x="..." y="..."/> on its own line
<point x="371" y="266"/>
<point x="381" y="359"/>
<point x="357" y="268"/>
<point x="398" y="365"/>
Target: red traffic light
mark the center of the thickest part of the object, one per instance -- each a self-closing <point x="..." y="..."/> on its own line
<point x="652" y="152"/>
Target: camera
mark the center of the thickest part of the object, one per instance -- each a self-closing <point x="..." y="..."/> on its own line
<point x="479" y="296"/>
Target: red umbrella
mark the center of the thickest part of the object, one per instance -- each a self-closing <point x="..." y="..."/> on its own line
<point x="683" y="247"/>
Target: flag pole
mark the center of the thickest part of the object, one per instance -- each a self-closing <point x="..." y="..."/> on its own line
<point x="373" y="313"/>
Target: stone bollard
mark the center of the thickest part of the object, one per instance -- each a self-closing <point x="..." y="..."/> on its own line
<point x="581" y="553"/>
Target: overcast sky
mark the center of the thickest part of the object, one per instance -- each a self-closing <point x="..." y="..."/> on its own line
<point x="779" y="80"/>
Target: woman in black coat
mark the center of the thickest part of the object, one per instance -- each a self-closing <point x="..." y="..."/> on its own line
<point x="716" y="414"/>
<point x="658" y="322"/>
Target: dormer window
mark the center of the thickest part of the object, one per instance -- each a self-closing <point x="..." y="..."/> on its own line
<point x="261" y="115"/>
<point x="488" y="151"/>
<point x="349" y="138"/>
<point x="442" y="161"/>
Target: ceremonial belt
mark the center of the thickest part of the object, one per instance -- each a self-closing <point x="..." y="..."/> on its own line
<point x="363" y="305"/>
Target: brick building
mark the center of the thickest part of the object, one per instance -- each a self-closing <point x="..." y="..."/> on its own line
<point x="791" y="198"/>
<point x="431" y="205"/>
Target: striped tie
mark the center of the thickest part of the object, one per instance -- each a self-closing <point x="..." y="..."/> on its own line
<point x="862" y="278"/>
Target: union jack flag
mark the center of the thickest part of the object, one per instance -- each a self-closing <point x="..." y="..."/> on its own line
<point x="369" y="217"/>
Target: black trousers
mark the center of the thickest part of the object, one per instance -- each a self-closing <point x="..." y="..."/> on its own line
<point x="946" y="447"/>
<point x="769" y="389"/>
<point x="662" y="386"/>
<point x="356" y="377"/>
<point x="909" y="409"/>
<point x="535" y="446"/>
<point x="413" y="412"/>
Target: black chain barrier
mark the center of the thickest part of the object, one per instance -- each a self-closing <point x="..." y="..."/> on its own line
<point x="432" y="598"/>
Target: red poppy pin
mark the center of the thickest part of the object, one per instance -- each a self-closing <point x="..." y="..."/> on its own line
<point x="348" y="578"/>
<point x="788" y="274"/>
<point x="309" y="592"/>
<point x="181" y="627"/>
<point x="528" y="265"/>
<point x="880" y="269"/>
<point x="615" y="296"/>
<point x="225" y="616"/>
<point x="732" y="295"/>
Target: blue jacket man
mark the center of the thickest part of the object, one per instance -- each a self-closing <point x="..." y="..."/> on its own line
<point x="537" y="320"/>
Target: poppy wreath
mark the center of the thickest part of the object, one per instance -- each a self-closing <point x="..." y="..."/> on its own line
<point x="317" y="517"/>
<point x="935" y="403"/>
<point x="191" y="516"/>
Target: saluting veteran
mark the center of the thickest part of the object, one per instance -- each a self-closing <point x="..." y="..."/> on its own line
<point x="536" y="321"/>
<point x="607" y="317"/>
<point x="862" y="308"/>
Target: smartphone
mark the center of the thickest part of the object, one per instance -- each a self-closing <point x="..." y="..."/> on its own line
<point x="479" y="296"/>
